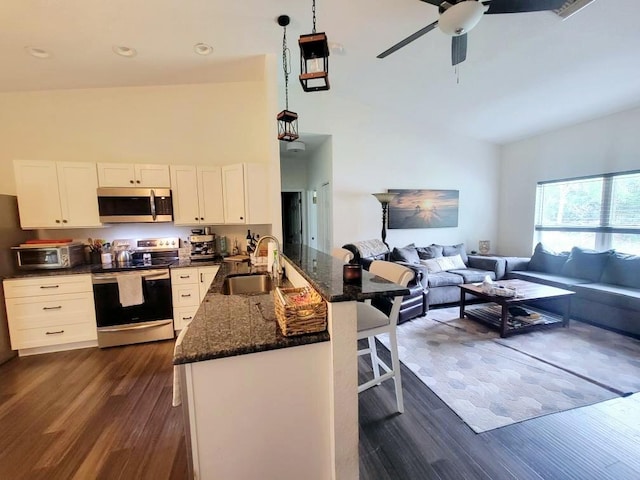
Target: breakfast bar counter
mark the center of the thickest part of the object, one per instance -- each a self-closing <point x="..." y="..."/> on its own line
<point x="258" y="404"/>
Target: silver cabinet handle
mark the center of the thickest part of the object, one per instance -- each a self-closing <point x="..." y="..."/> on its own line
<point x="55" y="333"/>
<point x="49" y="286"/>
<point x="52" y="308"/>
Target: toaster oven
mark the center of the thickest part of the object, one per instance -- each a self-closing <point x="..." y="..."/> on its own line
<point x="35" y="257"/>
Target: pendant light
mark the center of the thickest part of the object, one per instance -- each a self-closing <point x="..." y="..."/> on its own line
<point x="314" y="59"/>
<point x="287" y="120"/>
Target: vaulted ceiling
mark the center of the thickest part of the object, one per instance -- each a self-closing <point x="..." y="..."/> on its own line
<point x="524" y="73"/>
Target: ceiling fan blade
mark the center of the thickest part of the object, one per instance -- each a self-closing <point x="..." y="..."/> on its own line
<point x="408" y="40"/>
<point x="433" y="2"/>
<point x="520" y="6"/>
<point x="458" y="49"/>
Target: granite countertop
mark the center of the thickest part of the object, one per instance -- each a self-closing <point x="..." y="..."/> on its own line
<point x="97" y="268"/>
<point x="230" y="325"/>
<point x="324" y="273"/>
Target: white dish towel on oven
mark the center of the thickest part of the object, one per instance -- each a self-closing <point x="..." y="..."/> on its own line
<point x="130" y="289"/>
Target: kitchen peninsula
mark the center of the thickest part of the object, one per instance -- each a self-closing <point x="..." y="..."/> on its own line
<point x="261" y="405"/>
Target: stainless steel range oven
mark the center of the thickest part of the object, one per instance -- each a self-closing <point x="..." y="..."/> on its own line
<point x="133" y="301"/>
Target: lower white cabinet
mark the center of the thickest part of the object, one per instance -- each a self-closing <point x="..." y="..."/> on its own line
<point x="53" y="311"/>
<point x="189" y="286"/>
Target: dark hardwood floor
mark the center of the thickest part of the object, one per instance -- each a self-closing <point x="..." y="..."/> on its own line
<point x="106" y="414"/>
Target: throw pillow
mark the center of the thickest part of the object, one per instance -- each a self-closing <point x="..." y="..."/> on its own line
<point x="446" y="263"/>
<point x="587" y="264"/>
<point x="450" y="250"/>
<point x="432" y="265"/>
<point x="457" y="262"/>
<point x="407" y="254"/>
<point x="432" y="251"/>
<point x="547" y="261"/>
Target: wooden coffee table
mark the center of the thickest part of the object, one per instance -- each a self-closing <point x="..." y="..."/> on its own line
<point x="496" y="313"/>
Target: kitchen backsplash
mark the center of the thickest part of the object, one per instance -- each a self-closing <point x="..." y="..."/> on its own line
<point x="148" y="230"/>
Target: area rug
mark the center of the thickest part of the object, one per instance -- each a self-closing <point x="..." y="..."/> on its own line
<point x="491" y="382"/>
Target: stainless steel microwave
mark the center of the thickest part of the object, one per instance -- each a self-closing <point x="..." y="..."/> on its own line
<point x="128" y="205"/>
<point x="35" y="257"/>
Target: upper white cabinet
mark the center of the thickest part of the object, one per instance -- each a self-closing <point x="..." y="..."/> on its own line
<point x="129" y="175"/>
<point x="197" y="195"/>
<point x="246" y="193"/>
<point x="56" y="194"/>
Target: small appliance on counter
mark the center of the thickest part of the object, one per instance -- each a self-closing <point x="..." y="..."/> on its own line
<point x="49" y="254"/>
<point x="203" y="247"/>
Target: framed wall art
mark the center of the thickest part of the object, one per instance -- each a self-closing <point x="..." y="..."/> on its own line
<point x="424" y="209"/>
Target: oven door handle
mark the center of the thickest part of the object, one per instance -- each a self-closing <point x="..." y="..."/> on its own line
<point x="152" y="200"/>
<point x="113" y="278"/>
<point x="135" y="327"/>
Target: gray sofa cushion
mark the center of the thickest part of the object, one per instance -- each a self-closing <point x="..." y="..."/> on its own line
<point x="622" y="269"/>
<point x="551" y="279"/>
<point x="451" y="250"/>
<point x="548" y="261"/>
<point x="473" y="275"/>
<point x="432" y="251"/>
<point x="407" y="254"/>
<point x="614" y="295"/>
<point x="583" y="263"/>
<point x="443" y="279"/>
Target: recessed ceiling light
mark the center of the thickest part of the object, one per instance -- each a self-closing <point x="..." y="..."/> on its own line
<point x="38" y="52"/>
<point x="124" y="51"/>
<point x="202" y="49"/>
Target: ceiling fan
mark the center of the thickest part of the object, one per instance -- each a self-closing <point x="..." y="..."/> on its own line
<point x="458" y="17"/>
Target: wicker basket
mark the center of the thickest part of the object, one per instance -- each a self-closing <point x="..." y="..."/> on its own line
<point x="296" y="318"/>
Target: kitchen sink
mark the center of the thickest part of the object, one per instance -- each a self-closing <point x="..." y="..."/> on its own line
<point x="246" y="283"/>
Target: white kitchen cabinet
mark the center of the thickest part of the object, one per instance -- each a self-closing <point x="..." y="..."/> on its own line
<point x="133" y="175"/>
<point x="246" y="193"/>
<point x="50" y="313"/>
<point x="189" y="286"/>
<point x="197" y="195"/>
<point x="56" y="194"/>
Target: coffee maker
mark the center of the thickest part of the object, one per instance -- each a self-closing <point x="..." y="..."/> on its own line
<point x="203" y="247"/>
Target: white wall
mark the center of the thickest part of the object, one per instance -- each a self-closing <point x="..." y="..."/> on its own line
<point x="293" y="172"/>
<point x="373" y="152"/>
<point x="608" y="144"/>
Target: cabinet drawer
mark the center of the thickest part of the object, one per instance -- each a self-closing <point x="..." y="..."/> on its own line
<point x="185" y="295"/>
<point x="45" y="336"/>
<point x="53" y="310"/>
<point x="182" y="316"/>
<point x="54" y="285"/>
<point x="181" y="276"/>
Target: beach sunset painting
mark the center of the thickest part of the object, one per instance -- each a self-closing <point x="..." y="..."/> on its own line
<point x="424" y="209"/>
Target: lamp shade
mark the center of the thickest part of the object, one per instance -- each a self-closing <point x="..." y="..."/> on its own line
<point x="384" y="197"/>
<point x="461" y="17"/>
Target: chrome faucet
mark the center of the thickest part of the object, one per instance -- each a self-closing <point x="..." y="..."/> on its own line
<point x="276" y="269"/>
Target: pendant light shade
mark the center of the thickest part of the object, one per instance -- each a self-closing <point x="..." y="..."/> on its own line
<point x="314" y="59"/>
<point x="287" y="126"/>
<point x="314" y="62"/>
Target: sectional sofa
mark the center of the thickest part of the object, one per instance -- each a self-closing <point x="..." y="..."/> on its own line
<point x="607" y="284"/>
<point x="439" y="270"/>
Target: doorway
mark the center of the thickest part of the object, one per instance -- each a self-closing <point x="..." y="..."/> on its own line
<point x="292" y="218"/>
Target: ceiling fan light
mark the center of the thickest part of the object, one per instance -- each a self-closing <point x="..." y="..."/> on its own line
<point x="461" y="17"/>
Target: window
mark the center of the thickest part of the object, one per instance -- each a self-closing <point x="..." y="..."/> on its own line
<point x="598" y="212"/>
